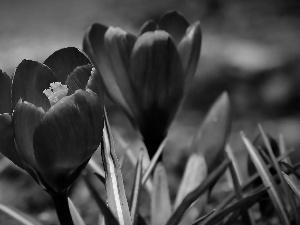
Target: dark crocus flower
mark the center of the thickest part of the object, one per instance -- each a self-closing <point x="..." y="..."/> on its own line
<point x="146" y="75"/>
<point x="51" y="117"/>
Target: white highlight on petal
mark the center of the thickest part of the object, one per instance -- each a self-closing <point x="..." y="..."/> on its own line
<point x="56" y="92"/>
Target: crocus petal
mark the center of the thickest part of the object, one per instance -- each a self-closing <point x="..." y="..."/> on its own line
<point x="64" y="61"/>
<point x="95" y="84"/>
<point x="26" y="118"/>
<point x="5" y="93"/>
<point x="119" y="45"/>
<point x="67" y="136"/>
<point x="189" y="50"/>
<point x="79" y="78"/>
<point x="7" y="144"/>
<point x="157" y="80"/>
<point x="174" y="23"/>
<point x="149" y="25"/>
<point x="31" y="78"/>
<point x="94" y="45"/>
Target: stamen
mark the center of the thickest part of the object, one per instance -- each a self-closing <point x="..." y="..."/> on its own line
<point x="56" y="92"/>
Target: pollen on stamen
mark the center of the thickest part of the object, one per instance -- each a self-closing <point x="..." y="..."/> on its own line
<point x="56" y="92"/>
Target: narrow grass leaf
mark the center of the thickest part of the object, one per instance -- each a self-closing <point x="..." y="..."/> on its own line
<point x="234" y="170"/>
<point x="77" y="219"/>
<point x="287" y="194"/>
<point x="290" y="169"/>
<point x="99" y="172"/>
<point x="233" y="217"/>
<point x="21" y="217"/>
<point x="108" y="215"/>
<point x="161" y="208"/>
<point x="292" y="185"/>
<point x="194" y="195"/>
<point x="135" y="196"/>
<point x="202" y="218"/>
<point x="115" y="191"/>
<point x="267" y="179"/>
<point x="249" y="183"/>
<point x="153" y="161"/>
<point x="213" y="133"/>
<point x="241" y="204"/>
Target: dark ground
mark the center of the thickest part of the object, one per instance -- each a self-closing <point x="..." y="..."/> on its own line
<point x="251" y="49"/>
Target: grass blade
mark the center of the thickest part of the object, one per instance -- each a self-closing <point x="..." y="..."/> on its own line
<point x="243" y="203"/>
<point x="107" y="213"/>
<point x="203" y="217"/>
<point x="153" y="161"/>
<point x="290" y="169"/>
<point x="249" y="183"/>
<point x="21" y="217"/>
<point x="194" y="195"/>
<point x="267" y="179"/>
<point x="135" y="196"/>
<point x="115" y="191"/>
<point x="161" y="208"/>
<point x="236" y="180"/>
<point x="77" y="219"/>
<point x="92" y="166"/>
<point x="292" y="185"/>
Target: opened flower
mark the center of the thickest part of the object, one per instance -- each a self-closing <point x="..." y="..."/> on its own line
<point x="51" y="118"/>
<point x="146" y="76"/>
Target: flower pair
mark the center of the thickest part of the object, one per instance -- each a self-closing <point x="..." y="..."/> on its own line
<point x="147" y="75"/>
<point x="51" y="132"/>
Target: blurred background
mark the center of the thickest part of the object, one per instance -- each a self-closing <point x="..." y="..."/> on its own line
<point x="251" y="49"/>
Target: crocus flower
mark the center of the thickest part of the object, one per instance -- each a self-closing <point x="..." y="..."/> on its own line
<point x="51" y="117"/>
<point x="145" y="75"/>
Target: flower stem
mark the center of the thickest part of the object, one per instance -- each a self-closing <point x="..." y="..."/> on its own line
<point x="62" y="208"/>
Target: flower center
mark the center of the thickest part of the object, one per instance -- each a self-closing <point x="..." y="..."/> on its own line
<point x="56" y="92"/>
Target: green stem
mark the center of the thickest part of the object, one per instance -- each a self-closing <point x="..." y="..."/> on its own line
<point x="62" y="208"/>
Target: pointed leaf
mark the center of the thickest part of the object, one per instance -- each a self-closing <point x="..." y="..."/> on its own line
<point x="115" y="192"/>
<point x="194" y="195"/>
<point x="97" y="170"/>
<point x="135" y="196"/>
<point x="194" y="174"/>
<point x="77" y="219"/>
<point x="174" y="23"/>
<point x="198" y="221"/>
<point x="64" y="61"/>
<point x="31" y="78"/>
<point x="161" y="208"/>
<point x="108" y="215"/>
<point x="213" y="133"/>
<point x="153" y="162"/>
<point x="267" y="179"/>
<point x="5" y="93"/>
<point x="290" y="169"/>
<point x="286" y="192"/>
<point x="189" y="49"/>
<point x="292" y="185"/>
